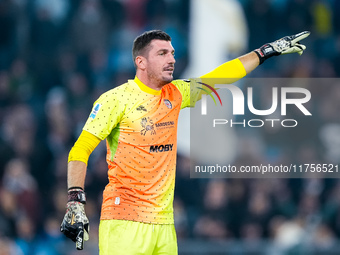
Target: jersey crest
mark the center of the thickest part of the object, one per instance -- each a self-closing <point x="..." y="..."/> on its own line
<point x="147" y="125"/>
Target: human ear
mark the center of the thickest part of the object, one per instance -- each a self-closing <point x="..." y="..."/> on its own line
<point x="140" y="62"/>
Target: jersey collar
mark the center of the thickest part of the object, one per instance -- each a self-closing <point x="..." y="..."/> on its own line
<point x="147" y="89"/>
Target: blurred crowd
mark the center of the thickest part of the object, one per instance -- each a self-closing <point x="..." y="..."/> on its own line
<point x="58" y="56"/>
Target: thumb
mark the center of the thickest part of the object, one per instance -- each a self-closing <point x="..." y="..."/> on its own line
<point x="86" y="232"/>
<point x="299" y="48"/>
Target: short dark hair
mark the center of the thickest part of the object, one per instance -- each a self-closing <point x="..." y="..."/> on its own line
<point x="143" y="41"/>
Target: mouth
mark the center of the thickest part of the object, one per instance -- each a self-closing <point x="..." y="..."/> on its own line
<point x="169" y="69"/>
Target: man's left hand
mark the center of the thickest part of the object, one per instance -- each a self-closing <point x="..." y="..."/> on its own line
<point x="285" y="45"/>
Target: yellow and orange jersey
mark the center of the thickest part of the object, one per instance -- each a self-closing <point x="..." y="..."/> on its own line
<point x="140" y="126"/>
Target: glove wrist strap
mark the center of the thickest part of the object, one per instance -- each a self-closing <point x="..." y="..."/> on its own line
<point x="76" y="194"/>
<point x="260" y="56"/>
<point x="266" y="51"/>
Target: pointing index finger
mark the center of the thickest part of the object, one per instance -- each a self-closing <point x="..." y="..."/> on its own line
<point x="300" y="36"/>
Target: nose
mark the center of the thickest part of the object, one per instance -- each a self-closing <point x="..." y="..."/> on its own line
<point x="172" y="59"/>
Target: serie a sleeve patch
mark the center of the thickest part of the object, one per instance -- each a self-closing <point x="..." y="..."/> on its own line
<point x="95" y="110"/>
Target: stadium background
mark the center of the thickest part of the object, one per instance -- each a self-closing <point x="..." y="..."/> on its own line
<point x="58" y="56"/>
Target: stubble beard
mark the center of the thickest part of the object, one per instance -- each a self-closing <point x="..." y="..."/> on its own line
<point x="162" y="80"/>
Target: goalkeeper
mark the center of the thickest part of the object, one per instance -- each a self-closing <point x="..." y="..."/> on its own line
<point x="139" y="122"/>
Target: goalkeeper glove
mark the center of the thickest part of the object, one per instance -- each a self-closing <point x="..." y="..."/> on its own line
<point x="75" y="224"/>
<point x="285" y="45"/>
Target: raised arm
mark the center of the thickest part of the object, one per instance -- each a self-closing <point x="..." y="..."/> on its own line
<point x="250" y="61"/>
<point x="285" y="45"/>
<point x="236" y="69"/>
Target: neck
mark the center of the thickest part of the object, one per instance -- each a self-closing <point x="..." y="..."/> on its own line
<point x="151" y="83"/>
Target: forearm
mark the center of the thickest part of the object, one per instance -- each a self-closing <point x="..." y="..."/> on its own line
<point x="249" y="61"/>
<point x="78" y="157"/>
<point x="285" y="45"/>
<point x="76" y="172"/>
<point x="75" y="224"/>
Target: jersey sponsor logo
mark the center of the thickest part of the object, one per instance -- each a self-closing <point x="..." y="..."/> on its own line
<point x="168" y="103"/>
<point x="161" y="148"/>
<point x="141" y="108"/>
<point x="165" y="124"/>
<point x="95" y="110"/>
<point x="147" y="125"/>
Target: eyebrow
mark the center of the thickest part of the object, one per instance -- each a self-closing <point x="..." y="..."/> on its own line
<point x="166" y="50"/>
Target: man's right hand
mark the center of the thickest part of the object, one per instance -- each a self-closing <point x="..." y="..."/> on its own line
<point x="75" y="224"/>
